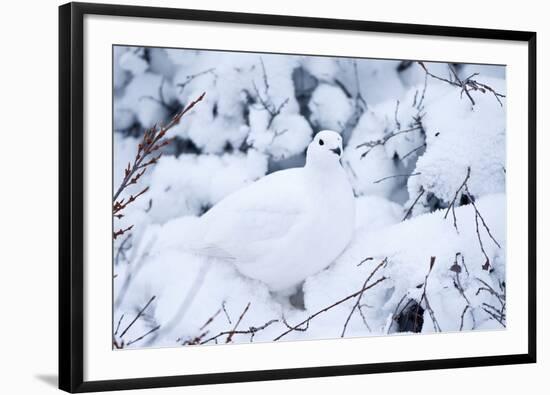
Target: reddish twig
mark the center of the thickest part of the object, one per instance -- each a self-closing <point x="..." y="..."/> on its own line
<point x="230" y="335"/>
<point x="225" y="312"/>
<point x="120" y="232"/>
<point x="153" y="140"/>
<point x="209" y="320"/>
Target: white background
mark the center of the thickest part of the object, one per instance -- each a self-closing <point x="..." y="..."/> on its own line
<point x="28" y="166"/>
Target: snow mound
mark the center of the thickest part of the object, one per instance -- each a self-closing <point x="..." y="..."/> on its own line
<point x="166" y="271"/>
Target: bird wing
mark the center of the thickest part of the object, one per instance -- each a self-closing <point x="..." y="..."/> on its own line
<point x="251" y="220"/>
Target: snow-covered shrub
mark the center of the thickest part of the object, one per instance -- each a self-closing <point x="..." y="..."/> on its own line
<point x="330" y="107"/>
<point x="471" y="136"/>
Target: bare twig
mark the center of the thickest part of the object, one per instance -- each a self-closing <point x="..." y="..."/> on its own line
<point x="478" y="216"/>
<point x="118" y="345"/>
<point x="272" y="109"/>
<point x="118" y="325"/>
<point x="424" y="298"/>
<point x="409" y="211"/>
<point x="121" y="204"/>
<point x="462" y="316"/>
<point x="357" y="303"/>
<point x="395" y="176"/>
<point x="421" y="101"/>
<point x="487" y="263"/>
<point x="121" y="250"/>
<point x="307" y="320"/>
<point x="496" y="311"/>
<point x="250" y="331"/>
<point x="360" y="105"/>
<point x="230" y="336"/>
<point x="225" y="312"/>
<point x="452" y="203"/>
<point x="143" y="336"/>
<point x="397" y="123"/>
<point x="495" y="317"/>
<point x="413" y="151"/>
<point x="191" y="77"/>
<point x="360" y="309"/>
<point x="457" y="269"/>
<point x="466" y="85"/>
<point x="194" y="340"/>
<point x="395" y="314"/>
<point x="210" y="319"/>
<point x="198" y="339"/>
<point x="151" y="142"/>
<point x="501" y="298"/>
<point x="382" y="141"/>
<point x="295" y="328"/>
<point x="120" y="232"/>
<point x="369" y="258"/>
<point x="139" y="314"/>
<point x="498" y="315"/>
<point x="481" y="217"/>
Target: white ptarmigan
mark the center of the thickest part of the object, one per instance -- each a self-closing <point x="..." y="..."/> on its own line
<point x="288" y="225"/>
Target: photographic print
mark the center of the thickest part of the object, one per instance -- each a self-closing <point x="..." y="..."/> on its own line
<point x="261" y="197"/>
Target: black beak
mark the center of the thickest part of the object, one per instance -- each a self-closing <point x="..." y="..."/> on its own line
<point x="337" y="151"/>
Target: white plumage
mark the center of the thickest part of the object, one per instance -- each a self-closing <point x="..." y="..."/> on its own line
<point x="288" y="225"/>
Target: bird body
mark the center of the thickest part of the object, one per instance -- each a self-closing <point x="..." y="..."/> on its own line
<point x="288" y="225"/>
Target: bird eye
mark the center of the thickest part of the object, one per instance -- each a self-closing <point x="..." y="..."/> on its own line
<point x="321" y="142"/>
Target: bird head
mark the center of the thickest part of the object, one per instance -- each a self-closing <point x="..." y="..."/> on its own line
<point x="325" y="148"/>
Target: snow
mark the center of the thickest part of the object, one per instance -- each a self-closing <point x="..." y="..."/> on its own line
<point x="142" y="95"/>
<point x="170" y="271"/>
<point x="132" y="62"/>
<point x="288" y="134"/>
<point x="259" y="114"/>
<point x="330" y="107"/>
<point x="472" y="137"/>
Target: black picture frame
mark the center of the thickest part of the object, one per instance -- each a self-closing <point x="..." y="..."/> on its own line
<point x="71" y="197"/>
